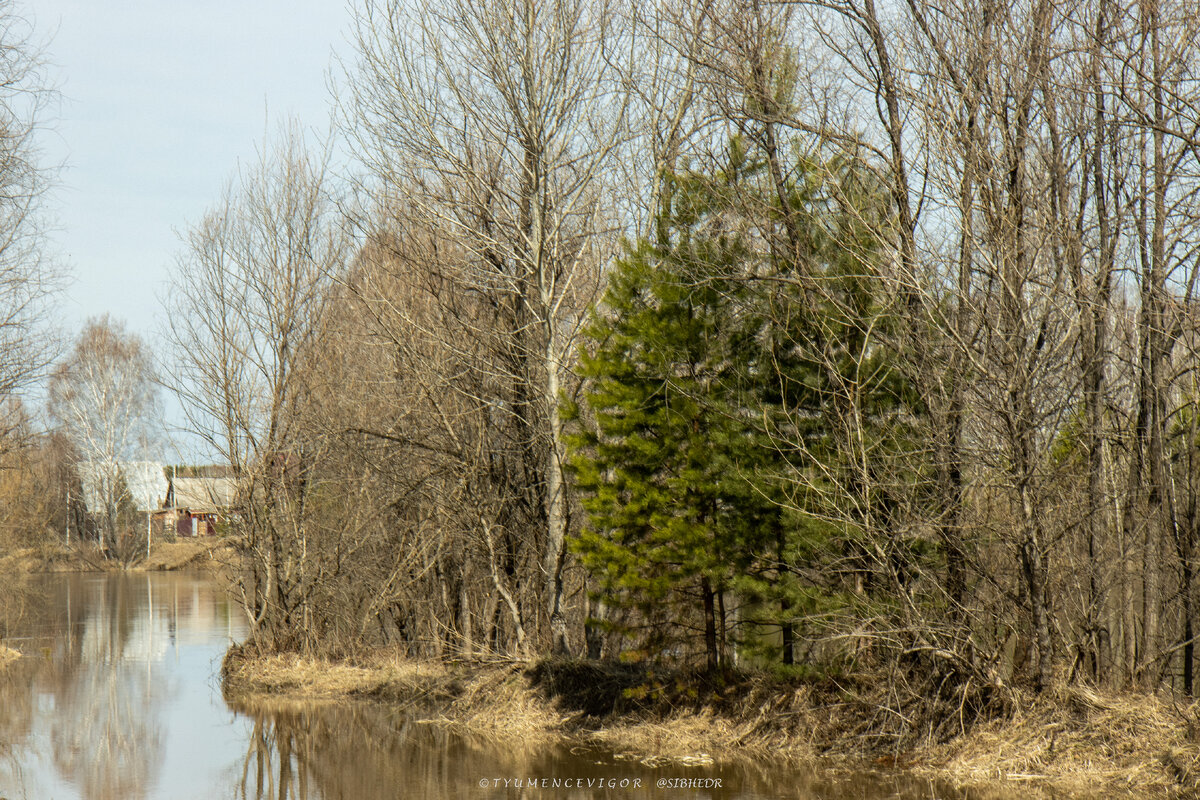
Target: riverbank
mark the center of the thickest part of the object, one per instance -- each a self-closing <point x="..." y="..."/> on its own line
<point x="7" y="656"/>
<point x="1073" y="741"/>
<point x="203" y="554"/>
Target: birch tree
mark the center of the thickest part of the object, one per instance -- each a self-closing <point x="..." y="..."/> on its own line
<point x="105" y="396"/>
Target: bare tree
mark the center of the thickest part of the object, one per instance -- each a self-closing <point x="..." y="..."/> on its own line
<point x="246" y="312"/>
<point x="27" y="276"/>
<point x="105" y="398"/>
<point x="495" y="127"/>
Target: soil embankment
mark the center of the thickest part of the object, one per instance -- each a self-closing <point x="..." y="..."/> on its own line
<point x="47" y="558"/>
<point x="188" y="554"/>
<point x="1069" y="742"/>
<point x="208" y="553"/>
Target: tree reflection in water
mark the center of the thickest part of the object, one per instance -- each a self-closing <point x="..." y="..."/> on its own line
<point x="107" y="734"/>
<point x="361" y="751"/>
<point x="106" y="737"/>
<point x="16" y="720"/>
<point x="18" y="602"/>
<point x="89" y="646"/>
<point x="117" y="699"/>
<point x="300" y="751"/>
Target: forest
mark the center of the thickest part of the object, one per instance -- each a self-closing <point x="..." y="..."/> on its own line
<point x="822" y="337"/>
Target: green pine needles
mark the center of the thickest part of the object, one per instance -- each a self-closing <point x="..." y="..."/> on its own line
<point x="712" y="451"/>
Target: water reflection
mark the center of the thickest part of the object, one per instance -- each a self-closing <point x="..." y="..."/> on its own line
<point x="107" y="731"/>
<point x="87" y="713"/>
<point x="365" y="752"/>
<point x="118" y="698"/>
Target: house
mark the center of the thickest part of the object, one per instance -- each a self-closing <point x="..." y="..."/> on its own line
<point x="194" y="505"/>
<point x="109" y="486"/>
<point x="145" y="484"/>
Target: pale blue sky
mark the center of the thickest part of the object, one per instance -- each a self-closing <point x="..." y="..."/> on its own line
<point x="160" y="101"/>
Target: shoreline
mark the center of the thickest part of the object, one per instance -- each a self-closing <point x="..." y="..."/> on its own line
<point x="8" y="656"/>
<point x="203" y="554"/>
<point x="1072" y="741"/>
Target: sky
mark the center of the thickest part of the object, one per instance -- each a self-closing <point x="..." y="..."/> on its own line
<point x="160" y="102"/>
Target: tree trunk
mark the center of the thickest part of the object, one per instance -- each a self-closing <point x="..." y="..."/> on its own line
<point x="710" y="625"/>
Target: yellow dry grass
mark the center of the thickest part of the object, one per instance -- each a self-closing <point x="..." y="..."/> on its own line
<point x="686" y="738"/>
<point x="1073" y="741"/>
<point x="1077" y="740"/>
<point x="492" y="700"/>
<point x="497" y="700"/>
<point x="193" y="554"/>
<point x="7" y="656"/>
<point x="753" y="720"/>
<point x="47" y="558"/>
<point x="209" y="554"/>
<point x="291" y="674"/>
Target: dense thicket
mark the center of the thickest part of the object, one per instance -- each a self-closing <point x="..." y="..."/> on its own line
<point x="831" y="333"/>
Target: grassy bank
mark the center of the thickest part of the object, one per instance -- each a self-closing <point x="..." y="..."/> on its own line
<point x="187" y="554"/>
<point x="1080" y="740"/>
<point x="7" y="656"/>
<point x="182" y="554"/>
<point x="46" y="558"/>
<point x="1072" y="741"/>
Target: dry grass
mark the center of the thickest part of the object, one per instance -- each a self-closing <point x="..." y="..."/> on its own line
<point x="7" y="656"/>
<point x="488" y="699"/>
<point x="191" y="553"/>
<point x="498" y="700"/>
<point x="208" y="553"/>
<point x="688" y="738"/>
<point x="1078" y="740"/>
<point x="383" y="677"/>
<point x="1070" y="741"/>
<point x="47" y="558"/>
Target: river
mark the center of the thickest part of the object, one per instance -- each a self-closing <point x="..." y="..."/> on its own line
<point x="118" y="697"/>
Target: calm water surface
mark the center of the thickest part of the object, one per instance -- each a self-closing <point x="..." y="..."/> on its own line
<point x="118" y="698"/>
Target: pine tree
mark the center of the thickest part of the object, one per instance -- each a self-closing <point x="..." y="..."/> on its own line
<point x="718" y="374"/>
<point x="832" y="411"/>
<point x="650" y="470"/>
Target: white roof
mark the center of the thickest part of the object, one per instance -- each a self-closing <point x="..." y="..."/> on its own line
<point x="144" y="480"/>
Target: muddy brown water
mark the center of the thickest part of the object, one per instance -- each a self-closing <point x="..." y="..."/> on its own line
<point x="118" y="697"/>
